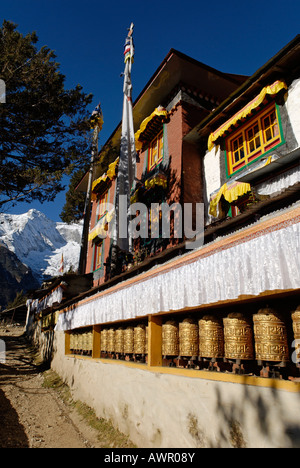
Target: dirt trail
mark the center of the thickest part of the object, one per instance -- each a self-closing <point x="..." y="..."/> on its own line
<point x="33" y="416"/>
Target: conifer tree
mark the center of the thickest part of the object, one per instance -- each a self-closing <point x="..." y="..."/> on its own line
<point x="73" y="210"/>
<point x="44" y="130"/>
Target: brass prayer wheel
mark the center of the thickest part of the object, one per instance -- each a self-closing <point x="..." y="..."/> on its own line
<point x="211" y="337"/>
<point x="75" y="341"/>
<point x="238" y="337"/>
<point x="296" y="330"/>
<point x="139" y="339"/>
<point x="84" y="341"/>
<point x="128" y="340"/>
<point x="119" y="340"/>
<point x="188" y="337"/>
<point x="111" y="340"/>
<point x="270" y="334"/>
<point x="170" y="338"/>
<point x="72" y="341"/>
<point x="103" y="338"/>
<point x="146" y="350"/>
<point x="79" y="341"/>
<point x="90" y="341"/>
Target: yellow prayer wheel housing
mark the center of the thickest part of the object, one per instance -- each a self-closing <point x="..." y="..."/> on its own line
<point x="270" y="334"/>
<point x="238" y="336"/>
<point x="211" y="337"/>
<point x="170" y="338"/>
<point x="188" y="337"/>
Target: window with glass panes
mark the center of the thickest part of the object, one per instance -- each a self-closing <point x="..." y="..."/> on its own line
<point x="156" y="150"/>
<point x="255" y="138"/>
<point x="100" y="212"/>
<point x="98" y="256"/>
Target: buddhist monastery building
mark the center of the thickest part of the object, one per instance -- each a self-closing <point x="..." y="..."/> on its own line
<point x="190" y="338"/>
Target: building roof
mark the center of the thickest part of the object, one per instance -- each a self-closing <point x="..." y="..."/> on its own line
<point x="176" y="68"/>
<point x="285" y="63"/>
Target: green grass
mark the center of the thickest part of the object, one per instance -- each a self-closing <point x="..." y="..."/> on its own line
<point x="108" y="435"/>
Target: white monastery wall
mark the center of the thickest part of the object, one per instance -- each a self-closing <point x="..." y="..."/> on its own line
<point x="212" y="172"/>
<point x="292" y="105"/>
<point x="160" y="410"/>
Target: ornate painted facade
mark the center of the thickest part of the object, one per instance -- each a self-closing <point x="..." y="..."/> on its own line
<point x="231" y="304"/>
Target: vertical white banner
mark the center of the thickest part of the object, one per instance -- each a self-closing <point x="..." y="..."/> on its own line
<point x="2" y="352"/>
<point x="2" y="92"/>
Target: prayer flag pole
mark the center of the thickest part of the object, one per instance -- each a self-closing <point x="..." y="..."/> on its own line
<point x="96" y="122"/>
<point x="127" y="162"/>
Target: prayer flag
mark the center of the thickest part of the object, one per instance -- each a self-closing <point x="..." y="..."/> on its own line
<point x="62" y="267"/>
<point x="127" y="162"/>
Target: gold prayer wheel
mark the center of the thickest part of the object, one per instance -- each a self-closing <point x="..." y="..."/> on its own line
<point x="170" y="338"/>
<point x="270" y="334"/>
<point x="139" y="339"/>
<point x="188" y="337"/>
<point x="75" y="341"/>
<point x="103" y="338"/>
<point x="296" y="329"/>
<point x="111" y="340"/>
<point x="238" y="337"/>
<point x="119" y="340"/>
<point x="84" y="341"/>
<point x="129" y="340"/>
<point x="72" y="341"/>
<point x="146" y="350"/>
<point x="211" y="337"/>
<point x="79" y="342"/>
<point x="90" y="341"/>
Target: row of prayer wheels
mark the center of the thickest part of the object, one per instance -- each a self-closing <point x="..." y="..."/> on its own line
<point x="81" y="341"/>
<point x="129" y="340"/>
<point x="235" y="337"/>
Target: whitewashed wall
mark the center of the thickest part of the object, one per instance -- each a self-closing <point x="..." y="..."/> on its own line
<point x="292" y="105"/>
<point x="159" y="410"/>
<point x="212" y="175"/>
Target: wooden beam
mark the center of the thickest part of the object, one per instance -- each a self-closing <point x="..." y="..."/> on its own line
<point x="67" y="343"/>
<point x="154" y="341"/>
<point x="96" y="341"/>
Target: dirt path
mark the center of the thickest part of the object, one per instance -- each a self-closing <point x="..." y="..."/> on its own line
<point x="33" y="416"/>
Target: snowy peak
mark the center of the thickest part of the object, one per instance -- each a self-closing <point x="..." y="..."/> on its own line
<point x="40" y="243"/>
<point x="31" y="231"/>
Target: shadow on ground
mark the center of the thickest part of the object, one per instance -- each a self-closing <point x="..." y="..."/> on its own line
<point x="12" y="433"/>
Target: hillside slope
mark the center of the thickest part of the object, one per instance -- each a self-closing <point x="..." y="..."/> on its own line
<point x="38" y="245"/>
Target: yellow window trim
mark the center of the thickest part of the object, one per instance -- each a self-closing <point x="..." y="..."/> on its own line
<point x="271" y="90"/>
<point x="244" y="132"/>
<point x="156" y="147"/>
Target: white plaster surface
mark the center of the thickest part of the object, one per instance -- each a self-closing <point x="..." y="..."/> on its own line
<point x="212" y="173"/>
<point x="169" y="411"/>
<point x="292" y="105"/>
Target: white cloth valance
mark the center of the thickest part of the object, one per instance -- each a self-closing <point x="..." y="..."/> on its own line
<point x="279" y="183"/>
<point x="269" y="261"/>
<point x="55" y="297"/>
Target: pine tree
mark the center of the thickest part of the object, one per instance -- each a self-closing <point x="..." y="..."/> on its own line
<point x="44" y="127"/>
<point x="73" y="210"/>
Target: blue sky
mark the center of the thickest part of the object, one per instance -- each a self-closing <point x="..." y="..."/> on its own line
<point x="88" y="38"/>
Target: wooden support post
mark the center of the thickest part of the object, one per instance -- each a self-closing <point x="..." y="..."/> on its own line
<point x="154" y="341"/>
<point x="67" y="342"/>
<point x="96" y="341"/>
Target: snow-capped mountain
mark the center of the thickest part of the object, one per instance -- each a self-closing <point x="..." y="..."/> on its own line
<point x="40" y="243"/>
